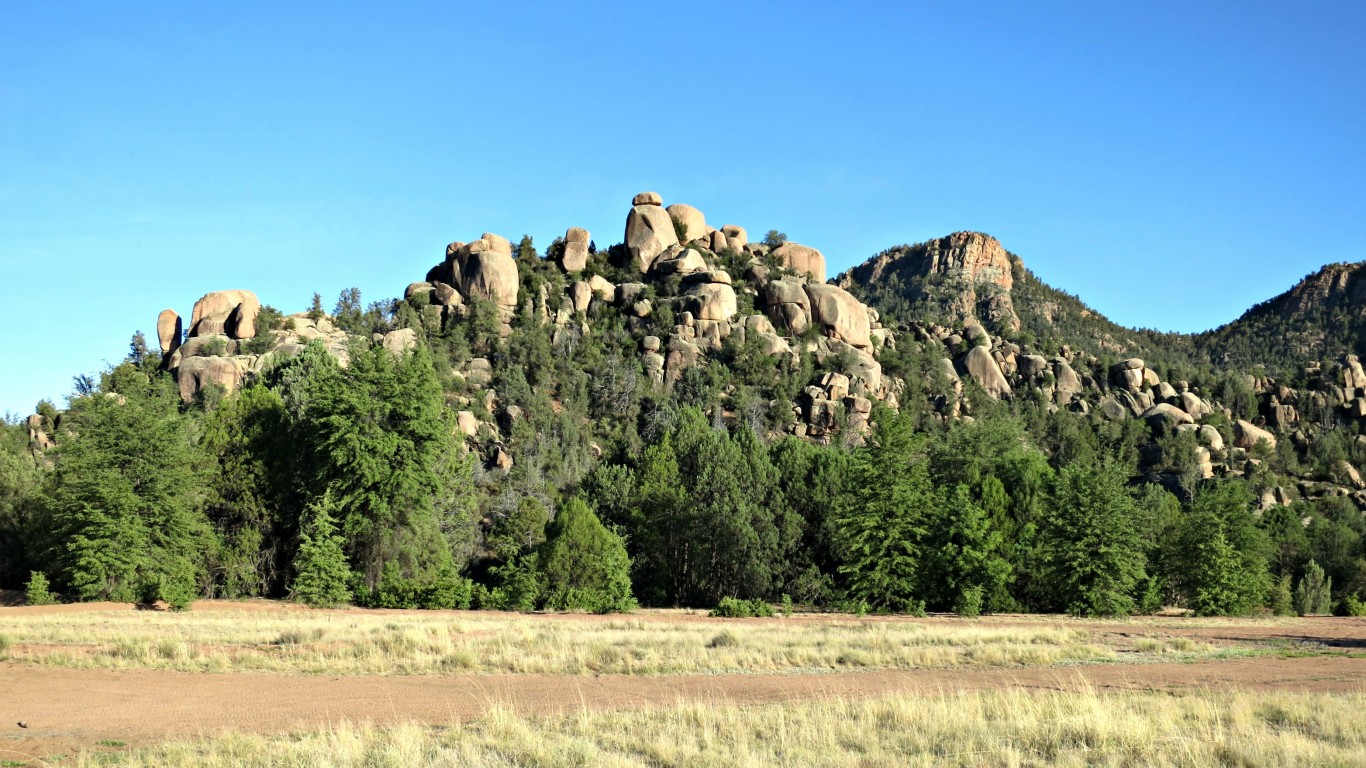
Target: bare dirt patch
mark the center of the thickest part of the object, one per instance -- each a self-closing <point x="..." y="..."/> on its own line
<point x="67" y="710"/>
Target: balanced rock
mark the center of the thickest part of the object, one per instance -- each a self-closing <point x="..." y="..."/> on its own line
<point x="647" y="198"/>
<point x="575" y="255"/>
<point x="736" y="236"/>
<point x="217" y="312"/>
<point x="649" y="231"/>
<point x="168" y="331"/>
<point x="490" y="272"/>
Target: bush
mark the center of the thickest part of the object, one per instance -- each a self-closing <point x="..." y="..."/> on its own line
<point x="734" y="608"/>
<point x="37" y="593"/>
<point x="969" y="602"/>
<point x="1350" y="605"/>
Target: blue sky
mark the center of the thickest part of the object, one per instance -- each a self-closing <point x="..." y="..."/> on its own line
<point x="1170" y="163"/>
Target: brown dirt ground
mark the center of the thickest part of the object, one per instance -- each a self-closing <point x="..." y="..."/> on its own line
<point x="68" y="710"/>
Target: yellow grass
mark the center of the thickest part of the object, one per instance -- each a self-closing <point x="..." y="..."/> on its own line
<point x="1006" y="728"/>
<point x="413" y="643"/>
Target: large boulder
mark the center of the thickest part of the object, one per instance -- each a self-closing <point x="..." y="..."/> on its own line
<point x="802" y="259"/>
<point x="712" y="301"/>
<point x="1128" y="374"/>
<point x="787" y="305"/>
<point x="736" y="236"/>
<point x="840" y="314"/>
<point x="649" y="231"/>
<point x="168" y="331"/>
<point x="647" y="198"/>
<point x="196" y="373"/>
<point x="580" y="295"/>
<point x="981" y="366"/>
<point x="575" y="255"/>
<point x="218" y="312"/>
<point x="1193" y="405"/>
<point x="1066" y="381"/>
<point x="694" y="224"/>
<point x="1246" y="435"/>
<point x="490" y="272"/>
<point x="400" y="341"/>
<point x="686" y="262"/>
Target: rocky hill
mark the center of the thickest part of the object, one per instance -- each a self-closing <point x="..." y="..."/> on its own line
<point x="1323" y="316"/>
<point x="710" y="398"/>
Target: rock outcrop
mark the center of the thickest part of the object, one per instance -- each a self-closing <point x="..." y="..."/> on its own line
<point x="575" y="255"/>
<point x="807" y="261"/>
<point x="232" y="313"/>
<point x="649" y="231"/>
<point x="168" y="331"/>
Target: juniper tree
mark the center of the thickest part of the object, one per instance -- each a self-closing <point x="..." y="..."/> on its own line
<point x="584" y="566"/>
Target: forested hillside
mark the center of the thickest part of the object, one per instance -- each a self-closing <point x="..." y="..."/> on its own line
<point x="691" y="418"/>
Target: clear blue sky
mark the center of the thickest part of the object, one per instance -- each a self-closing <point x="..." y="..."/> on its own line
<point x="1170" y="163"/>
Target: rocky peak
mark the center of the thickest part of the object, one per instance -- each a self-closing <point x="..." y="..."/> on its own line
<point x="967" y="273"/>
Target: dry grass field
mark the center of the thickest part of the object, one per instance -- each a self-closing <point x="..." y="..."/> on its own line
<point x="261" y="683"/>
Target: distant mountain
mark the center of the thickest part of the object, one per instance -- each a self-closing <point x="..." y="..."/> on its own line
<point x="1323" y="316"/>
<point x="970" y="277"/>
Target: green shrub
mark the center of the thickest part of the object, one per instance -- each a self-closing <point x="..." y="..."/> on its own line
<point x="785" y="605"/>
<point x="969" y="602"/>
<point x="1350" y="605"/>
<point x="735" y="608"/>
<point x="37" y="593"/>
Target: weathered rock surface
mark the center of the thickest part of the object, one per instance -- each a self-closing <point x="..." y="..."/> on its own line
<point x="693" y="222"/>
<point x="840" y="314"/>
<point x="228" y="312"/>
<point x="981" y="366"/>
<point x="649" y="231"/>
<point x="575" y="256"/>
<point x="1246" y="435"/>
<point x="168" y="331"/>
<point x="802" y="259"/>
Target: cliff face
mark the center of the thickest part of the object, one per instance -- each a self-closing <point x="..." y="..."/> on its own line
<point x="966" y="276"/>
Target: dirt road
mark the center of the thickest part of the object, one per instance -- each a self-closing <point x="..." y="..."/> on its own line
<point x="69" y="709"/>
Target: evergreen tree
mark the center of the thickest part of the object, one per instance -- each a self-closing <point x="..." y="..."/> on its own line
<point x="584" y="566"/>
<point x="1314" y="593"/>
<point x="882" y="523"/>
<point x="253" y="504"/>
<point x="126" y="495"/>
<point x="964" y="559"/>
<point x="320" y="571"/>
<point x="1090" y="544"/>
<point x="378" y="433"/>
<point x="1221" y="562"/>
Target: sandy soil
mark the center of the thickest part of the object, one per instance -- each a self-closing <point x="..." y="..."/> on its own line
<point x="67" y="709"/>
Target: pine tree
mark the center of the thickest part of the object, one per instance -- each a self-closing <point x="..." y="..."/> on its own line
<point x="379" y="436"/>
<point x="1314" y="593"/>
<point x="584" y="566"/>
<point x="1091" y="547"/>
<point x="126" y="497"/>
<point x="882" y="523"/>
<point x="321" y="573"/>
